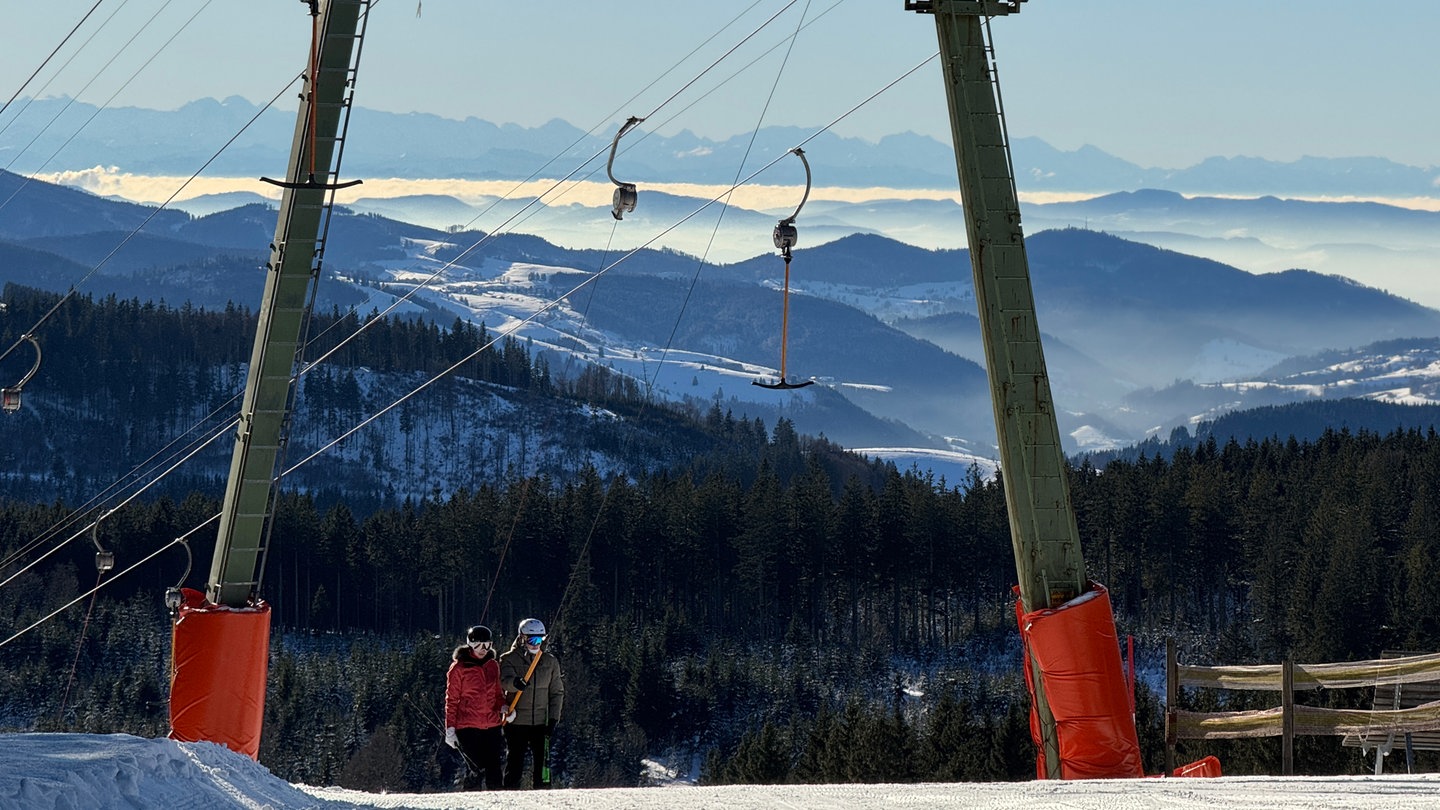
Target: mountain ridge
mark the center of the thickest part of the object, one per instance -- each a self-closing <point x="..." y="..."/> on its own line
<point x="383" y="144"/>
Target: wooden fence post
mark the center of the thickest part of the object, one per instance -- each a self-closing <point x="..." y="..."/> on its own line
<point x="1287" y="717"/>
<point x="1172" y="702"/>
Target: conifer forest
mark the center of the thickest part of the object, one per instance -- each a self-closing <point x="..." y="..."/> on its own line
<point x="771" y="608"/>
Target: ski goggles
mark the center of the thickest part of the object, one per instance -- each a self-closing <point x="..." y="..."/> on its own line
<point x="480" y="646"/>
<point x="534" y="641"/>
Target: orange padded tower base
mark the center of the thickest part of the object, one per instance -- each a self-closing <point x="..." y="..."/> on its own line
<point x="220" y="659"/>
<point x="1078" y="655"/>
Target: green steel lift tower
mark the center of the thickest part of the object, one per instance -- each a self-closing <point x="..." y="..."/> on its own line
<point x="1043" y="533"/>
<point x="293" y="267"/>
<point x="220" y="638"/>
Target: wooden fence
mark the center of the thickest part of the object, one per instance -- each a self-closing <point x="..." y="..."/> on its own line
<point x="1415" y="719"/>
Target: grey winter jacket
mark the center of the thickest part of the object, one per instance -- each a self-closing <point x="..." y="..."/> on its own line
<point x="544" y="697"/>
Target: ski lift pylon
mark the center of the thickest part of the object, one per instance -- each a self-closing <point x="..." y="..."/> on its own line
<point x="625" y="194"/>
<point x="786" y="237"/>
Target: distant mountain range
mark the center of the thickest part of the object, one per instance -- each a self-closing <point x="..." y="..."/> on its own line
<point x="1394" y="249"/>
<point x="1139" y="339"/>
<point x="379" y="144"/>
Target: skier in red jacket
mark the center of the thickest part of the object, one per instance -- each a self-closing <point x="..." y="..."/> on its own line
<point x="474" y="709"/>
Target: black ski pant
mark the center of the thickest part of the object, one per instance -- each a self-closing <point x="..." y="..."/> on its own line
<point x="521" y="739"/>
<point x="484" y="753"/>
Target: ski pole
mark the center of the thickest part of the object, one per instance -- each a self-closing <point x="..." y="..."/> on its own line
<point x="515" y="701"/>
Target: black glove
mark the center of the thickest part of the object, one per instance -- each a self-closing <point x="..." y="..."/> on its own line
<point x="520" y="684"/>
<point x="550" y="727"/>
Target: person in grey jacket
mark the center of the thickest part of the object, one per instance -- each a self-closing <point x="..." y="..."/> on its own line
<point x="542" y="697"/>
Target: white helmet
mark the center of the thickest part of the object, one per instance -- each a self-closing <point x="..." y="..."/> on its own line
<point x="532" y="627"/>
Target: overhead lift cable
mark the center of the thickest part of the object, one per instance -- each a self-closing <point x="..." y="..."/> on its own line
<point x="556" y="301"/>
<point x="95" y="269"/>
<point x="82" y="513"/>
<point x="707" y="93"/>
<point x="39" y="91"/>
<point x="625" y="195"/>
<point x="159" y="459"/>
<point x="132" y="496"/>
<point x="500" y="335"/>
<point x="517" y="217"/>
<point x="624" y="202"/>
<point x="801" y="25"/>
<point x="117" y="92"/>
<point x="75" y="288"/>
<point x="515" y="327"/>
<point x="580" y="559"/>
<point x="591" y="131"/>
<point x="722" y="58"/>
<point x="46" y="60"/>
<point x="181" y="540"/>
<point x="621" y="204"/>
<point x="415" y="288"/>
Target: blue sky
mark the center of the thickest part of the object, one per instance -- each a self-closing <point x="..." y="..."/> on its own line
<point x="1157" y="83"/>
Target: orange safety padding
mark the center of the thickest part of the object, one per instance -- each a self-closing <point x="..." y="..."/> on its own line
<point x="1209" y="767"/>
<point x="220" y="659"/>
<point x="1078" y="654"/>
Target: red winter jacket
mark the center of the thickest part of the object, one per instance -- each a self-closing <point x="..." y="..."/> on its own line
<point x="473" y="697"/>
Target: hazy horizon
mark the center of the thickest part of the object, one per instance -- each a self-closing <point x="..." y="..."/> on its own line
<point x="1162" y="85"/>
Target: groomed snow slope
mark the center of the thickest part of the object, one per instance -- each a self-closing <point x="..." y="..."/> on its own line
<point x="110" y="772"/>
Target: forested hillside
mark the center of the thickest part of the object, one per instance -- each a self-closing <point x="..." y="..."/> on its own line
<point x="129" y="387"/>
<point x="791" y="617"/>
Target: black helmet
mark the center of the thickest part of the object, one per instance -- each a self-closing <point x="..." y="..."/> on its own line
<point x="477" y="635"/>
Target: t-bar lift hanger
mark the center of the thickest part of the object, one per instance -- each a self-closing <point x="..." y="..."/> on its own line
<point x="787" y="237"/>
<point x="625" y="194"/>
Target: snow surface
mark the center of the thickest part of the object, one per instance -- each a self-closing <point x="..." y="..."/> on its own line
<point x="119" y="771"/>
<point x="952" y="465"/>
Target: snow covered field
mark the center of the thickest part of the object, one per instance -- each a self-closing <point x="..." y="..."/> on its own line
<point x="105" y="772"/>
